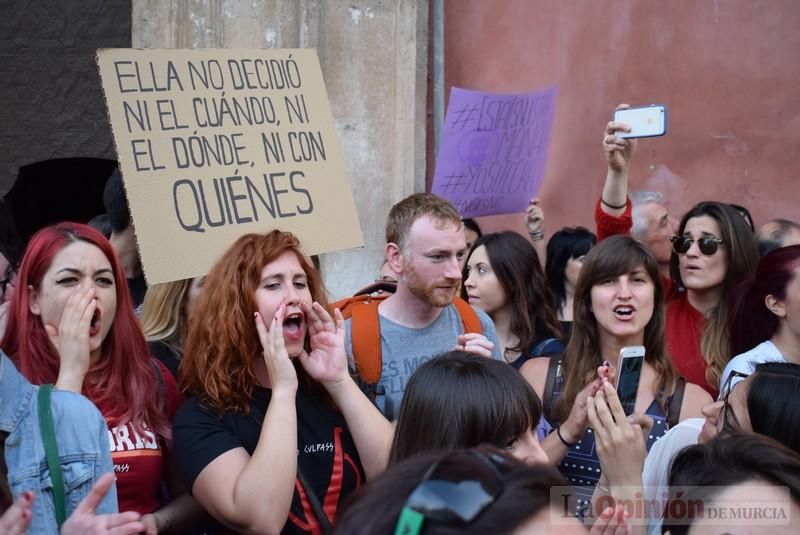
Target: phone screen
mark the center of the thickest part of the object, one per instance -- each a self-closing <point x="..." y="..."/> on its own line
<point x="628" y="383"/>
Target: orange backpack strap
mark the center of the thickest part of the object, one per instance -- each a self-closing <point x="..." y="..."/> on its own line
<point x="347" y="304"/>
<point x="469" y="318"/>
<point x="365" y="335"/>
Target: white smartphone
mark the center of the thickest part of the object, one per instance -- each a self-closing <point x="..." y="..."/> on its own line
<point x="629" y="370"/>
<point x="645" y="121"/>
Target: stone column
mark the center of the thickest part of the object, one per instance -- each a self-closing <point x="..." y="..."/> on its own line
<point x="374" y="56"/>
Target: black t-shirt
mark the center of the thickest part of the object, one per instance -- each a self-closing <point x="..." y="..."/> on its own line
<point x="327" y="455"/>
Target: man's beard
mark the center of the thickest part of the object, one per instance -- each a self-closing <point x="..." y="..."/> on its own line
<point x="428" y="292"/>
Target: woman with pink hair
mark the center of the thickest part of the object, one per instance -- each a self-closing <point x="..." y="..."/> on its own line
<point x="71" y="323"/>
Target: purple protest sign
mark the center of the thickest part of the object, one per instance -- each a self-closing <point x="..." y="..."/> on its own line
<point x="493" y="150"/>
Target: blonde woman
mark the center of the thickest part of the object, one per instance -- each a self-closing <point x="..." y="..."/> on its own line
<point x="165" y="317"/>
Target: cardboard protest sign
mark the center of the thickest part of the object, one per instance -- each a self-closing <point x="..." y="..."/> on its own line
<point x="214" y="144"/>
<point x="493" y="150"/>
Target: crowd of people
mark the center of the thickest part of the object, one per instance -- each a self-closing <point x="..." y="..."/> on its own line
<point x="467" y="391"/>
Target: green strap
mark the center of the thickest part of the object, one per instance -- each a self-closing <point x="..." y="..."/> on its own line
<point x="51" y="453"/>
<point x="410" y="522"/>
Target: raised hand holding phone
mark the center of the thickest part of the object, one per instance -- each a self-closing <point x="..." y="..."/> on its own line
<point x="619" y="439"/>
<point x="619" y="153"/>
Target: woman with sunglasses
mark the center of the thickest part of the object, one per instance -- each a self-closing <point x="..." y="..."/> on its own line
<point x="765" y="314"/>
<point x="713" y="249"/>
<point x="503" y="278"/>
<point x="618" y="304"/>
<point x="764" y="402"/>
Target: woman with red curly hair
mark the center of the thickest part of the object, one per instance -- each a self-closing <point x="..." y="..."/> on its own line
<point x="71" y="323"/>
<point x="276" y="433"/>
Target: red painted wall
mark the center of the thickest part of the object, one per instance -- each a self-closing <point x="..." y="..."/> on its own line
<point x="728" y="71"/>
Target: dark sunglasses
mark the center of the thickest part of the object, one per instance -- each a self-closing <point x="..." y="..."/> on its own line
<point x="728" y="416"/>
<point x="8" y="278"/>
<point x="708" y="245"/>
<point x="456" y="489"/>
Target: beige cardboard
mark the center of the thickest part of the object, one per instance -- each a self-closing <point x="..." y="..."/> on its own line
<point x="194" y="163"/>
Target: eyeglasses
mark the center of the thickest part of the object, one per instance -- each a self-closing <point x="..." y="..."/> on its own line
<point x="708" y="245"/>
<point x="728" y="416"/>
<point x="8" y="278"/>
<point x="456" y="490"/>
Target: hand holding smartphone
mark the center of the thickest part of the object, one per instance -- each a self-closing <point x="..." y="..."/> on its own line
<point x="645" y="121"/>
<point x="629" y="371"/>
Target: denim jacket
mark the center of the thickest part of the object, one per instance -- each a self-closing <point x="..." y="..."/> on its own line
<point x="82" y="438"/>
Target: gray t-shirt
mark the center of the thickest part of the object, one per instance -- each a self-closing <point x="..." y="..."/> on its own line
<point x="403" y="349"/>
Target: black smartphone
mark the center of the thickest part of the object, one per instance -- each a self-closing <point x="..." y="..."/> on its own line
<point x="629" y="370"/>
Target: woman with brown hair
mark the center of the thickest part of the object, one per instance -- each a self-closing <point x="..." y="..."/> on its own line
<point x="618" y="303"/>
<point x="462" y="400"/>
<point x="503" y="277"/>
<point x="276" y="434"/>
<point x="713" y="249"/>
